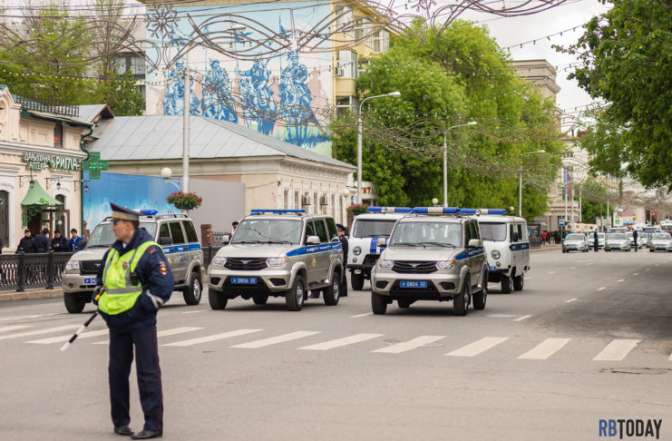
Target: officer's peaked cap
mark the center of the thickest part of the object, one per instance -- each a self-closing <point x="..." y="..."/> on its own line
<point x="123" y="213"/>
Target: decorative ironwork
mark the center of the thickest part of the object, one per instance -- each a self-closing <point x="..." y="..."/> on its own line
<point x="55" y="109"/>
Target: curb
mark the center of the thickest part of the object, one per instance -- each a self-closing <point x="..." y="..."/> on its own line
<point x="544" y="249"/>
<point x="31" y="294"/>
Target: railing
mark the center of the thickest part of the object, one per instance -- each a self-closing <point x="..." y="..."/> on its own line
<point x="47" y="107"/>
<point x="21" y="271"/>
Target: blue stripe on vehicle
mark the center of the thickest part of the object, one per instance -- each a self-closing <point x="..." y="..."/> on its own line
<point x="181" y="248"/>
<point x="519" y="246"/>
<point x="315" y="249"/>
<point x="470" y="253"/>
<point x="373" y="247"/>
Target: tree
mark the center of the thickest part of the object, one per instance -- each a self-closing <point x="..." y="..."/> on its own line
<point x="593" y="200"/>
<point x="625" y="57"/>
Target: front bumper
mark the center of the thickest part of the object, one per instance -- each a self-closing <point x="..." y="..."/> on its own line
<point x="440" y="285"/>
<point x="74" y="283"/>
<point x="271" y="282"/>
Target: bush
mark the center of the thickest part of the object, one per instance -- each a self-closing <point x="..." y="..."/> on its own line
<point x="185" y="201"/>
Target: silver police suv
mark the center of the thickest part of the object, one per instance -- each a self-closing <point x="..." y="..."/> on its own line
<point x="433" y="254"/>
<point x="279" y="253"/>
<point x="174" y="232"/>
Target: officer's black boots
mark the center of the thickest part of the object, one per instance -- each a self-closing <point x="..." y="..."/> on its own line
<point x="123" y="431"/>
<point x="148" y="434"/>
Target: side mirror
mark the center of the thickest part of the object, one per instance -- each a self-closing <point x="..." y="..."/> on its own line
<point x="382" y="242"/>
<point x="475" y="243"/>
<point x="312" y="240"/>
<point x="226" y="238"/>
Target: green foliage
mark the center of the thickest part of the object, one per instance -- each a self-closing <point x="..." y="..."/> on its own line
<point x="626" y="59"/>
<point x="594" y="199"/>
<point x="121" y="94"/>
<point x="447" y="78"/>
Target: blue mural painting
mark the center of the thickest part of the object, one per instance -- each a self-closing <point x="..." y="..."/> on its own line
<point x="257" y="98"/>
<point x="295" y="100"/>
<point x="218" y="102"/>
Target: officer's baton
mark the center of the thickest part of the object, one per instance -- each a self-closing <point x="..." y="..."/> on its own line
<point x="78" y="331"/>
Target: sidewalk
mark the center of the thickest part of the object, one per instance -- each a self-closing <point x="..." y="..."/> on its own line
<point x="553" y="247"/>
<point x="31" y="294"/>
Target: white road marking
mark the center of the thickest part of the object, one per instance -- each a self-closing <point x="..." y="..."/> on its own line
<point x="409" y="345"/>
<point x="621" y="280"/>
<point x="192" y="312"/>
<point x="165" y="333"/>
<point x="551" y="272"/>
<point x="340" y="342"/>
<point x="214" y="337"/>
<point x="520" y="319"/>
<point x="545" y="349"/>
<point x="38" y="332"/>
<point x="617" y="350"/>
<point x="13" y="328"/>
<point x="572" y="300"/>
<point x="502" y="315"/>
<point x="528" y="277"/>
<point x="64" y="338"/>
<point x="361" y="315"/>
<point x="635" y="274"/>
<point x="601" y="288"/>
<point x="276" y="340"/>
<point x="24" y="317"/>
<point x="477" y="347"/>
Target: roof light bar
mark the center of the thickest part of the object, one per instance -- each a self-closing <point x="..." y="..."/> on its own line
<point x="148" y="212"/>
<point x="439" y="211"/>
<point x="389" y="210"/>
<point x="258" y="211"/>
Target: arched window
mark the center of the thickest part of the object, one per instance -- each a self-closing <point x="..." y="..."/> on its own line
<point x="4" y="218"/>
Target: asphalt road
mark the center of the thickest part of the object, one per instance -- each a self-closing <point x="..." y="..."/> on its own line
<point x="590" y="337"/>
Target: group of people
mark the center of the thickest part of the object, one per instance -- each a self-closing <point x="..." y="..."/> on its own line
<point x="42" y="243"/>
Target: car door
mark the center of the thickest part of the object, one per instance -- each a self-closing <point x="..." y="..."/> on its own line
<point x="515" y="243"/>
<point x="324" y="254"/>
<point x="194" y="252"/>
<point x="334" y="253"/>
<point x="476" y="255"/>
<point x="310" y="256"/>
<point x="179" y="250"/>
<point x="166" y="241"/>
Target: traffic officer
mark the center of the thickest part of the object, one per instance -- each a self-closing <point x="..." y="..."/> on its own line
<point x="133" y="283"/>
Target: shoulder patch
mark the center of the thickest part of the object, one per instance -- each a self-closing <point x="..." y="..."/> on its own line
<point x="153" y="249"/>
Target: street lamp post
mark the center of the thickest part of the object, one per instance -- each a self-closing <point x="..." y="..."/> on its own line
<point x="445" y="158"/>
<point x="360" y="136"/>
<point x="520" y="181"/>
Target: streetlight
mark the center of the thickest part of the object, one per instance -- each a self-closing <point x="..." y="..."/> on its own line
<point x="520" y="181"/>
<point x="360" y="134"/>
<point x="445" y="158"/>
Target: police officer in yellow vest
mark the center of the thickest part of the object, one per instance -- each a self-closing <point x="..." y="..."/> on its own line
<point x="133" y="283"/>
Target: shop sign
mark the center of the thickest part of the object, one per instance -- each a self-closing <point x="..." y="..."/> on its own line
<point x="40" y="161"/>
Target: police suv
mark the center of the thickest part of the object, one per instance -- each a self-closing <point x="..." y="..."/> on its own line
<point x="363" y="249"/>
<point x="279" y="253"/>
<point x="507" y="247"/>
<point x="174" y="232"/>
<point x="432" y="254"/>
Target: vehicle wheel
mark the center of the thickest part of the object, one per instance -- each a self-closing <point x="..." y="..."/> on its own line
<point x="332" y="294"/>
<point x="73" y="304"/>
<point x="506" y="285"/>
<point x="217" y="299"/>
<point x="193" y="292"/>
<point x="295" y="296"/>
<point x="260" y="299"/>
<point x="378" y="304"/>
<point x="357" y="281"/>
<point x="652" y="251"/>
<point x="461" y="302"/>
<point x="519" y="282"/>
<point x="480" y="298"/>
<point x="404" y="303"/>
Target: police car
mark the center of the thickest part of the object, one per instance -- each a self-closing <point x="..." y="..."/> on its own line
<point x="507" y="247"/>
<point x="279" y="253"/>
<point x="432" y="254"/>
<point x="363" y="249"/>
<point x="174" y="232"/>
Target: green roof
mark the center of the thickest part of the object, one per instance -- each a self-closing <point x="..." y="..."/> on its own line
<point x="37" y="196"/>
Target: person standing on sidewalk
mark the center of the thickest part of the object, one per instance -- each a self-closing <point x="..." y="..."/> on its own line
<point x="596" y="241"/>
<point x="635" y="236"/>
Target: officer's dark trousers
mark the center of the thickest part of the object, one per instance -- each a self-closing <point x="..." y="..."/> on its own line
<point x="149" y="376"/>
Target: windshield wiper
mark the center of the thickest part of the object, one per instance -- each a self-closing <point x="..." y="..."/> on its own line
<point x="277" y="242"/>
<point x="439" y="244"/>
<point x="247" y="242"/>
<point x="407" y="244"/>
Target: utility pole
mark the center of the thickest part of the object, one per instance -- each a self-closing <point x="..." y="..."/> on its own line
<point x="185" y="126"/>
<point x="445" y="169"/>
<point x="520" y="191"/>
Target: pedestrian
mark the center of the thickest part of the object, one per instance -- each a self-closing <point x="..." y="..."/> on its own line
<point x="234" y="227"/>
<point x="59" y="244"/>
<point x="596" y="241"/>
<point x="635" y="235"/>
<point x="344" y="244"/>
<point x="41" y="242"/>
<point x="75" y="241"/>
<point x="26" y="243"/>
<point x="133" y="283"/>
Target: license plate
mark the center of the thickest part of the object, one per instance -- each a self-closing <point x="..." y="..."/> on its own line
<point x="358" y="271"/>
<point x="413" y="284"/>
<point x="90" y="281"/>
<point x="243" y="280"/>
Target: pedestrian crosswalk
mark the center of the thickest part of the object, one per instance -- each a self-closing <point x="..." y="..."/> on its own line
<point x="501" y="347"/>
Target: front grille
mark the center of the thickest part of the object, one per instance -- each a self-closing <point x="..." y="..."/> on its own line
<point x="411" y="267"/>
<point x="251" y="264"/>
<point x="371" y="260"/>
<point x="89" y="267"/>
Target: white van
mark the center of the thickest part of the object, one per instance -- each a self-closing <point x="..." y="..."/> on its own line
<point x="507" y="246"/>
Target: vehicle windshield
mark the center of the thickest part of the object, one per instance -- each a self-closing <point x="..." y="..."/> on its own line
<point x="373" y="227"/>
<point x="268" y="231"/>
<point x="493" y="231"/>
<point x="103" y="236"/>
<point x="600" y="235"/>
<point x="616" y="236"/>
<point x="575" y="237"/>
<point x="664" y="236"/>
<point x="427" y="234"/>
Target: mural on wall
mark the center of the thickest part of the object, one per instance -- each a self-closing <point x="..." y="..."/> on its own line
<point x="284" y="93"/>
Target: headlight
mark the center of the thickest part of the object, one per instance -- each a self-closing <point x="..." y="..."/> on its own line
<point x="496" y="254"/>
<point x="218" y="262"/>
<point x="386" y="264"/>
<point x="72" y="267"/>
<point x="357" y="251"/>
<point x="444" y="264"/>
<point x="276" y="262"/>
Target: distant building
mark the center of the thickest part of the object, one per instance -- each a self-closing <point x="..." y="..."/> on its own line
<point x="541" y="73"/>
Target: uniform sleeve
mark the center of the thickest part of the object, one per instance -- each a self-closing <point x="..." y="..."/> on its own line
<point x="155" y="274"/>
<point x="99" y="276"/>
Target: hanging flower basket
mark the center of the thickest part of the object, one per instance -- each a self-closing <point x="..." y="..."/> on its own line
<point x="185" y="201"/>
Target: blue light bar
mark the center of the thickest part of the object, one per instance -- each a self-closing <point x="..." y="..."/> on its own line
<point x="438" y="211"/>
<point x="258" y="211"/>
<point x="435" y="210"/>
<point x="148" y="212"/>
<point x="389" y="210"/>
<point x="467" y="211"/>
<point x="492" y="211"/>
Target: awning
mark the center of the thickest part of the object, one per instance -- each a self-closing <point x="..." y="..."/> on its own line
<point x="37" y="196"/>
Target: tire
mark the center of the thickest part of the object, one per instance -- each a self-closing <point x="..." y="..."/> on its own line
<point x="217" y="299"/>
<point x="260" y="299"/>
<point x="461" y="302"/>
<point x="332" y="294"/>
<point x="481" y="298"/>
<point x="357" y="281"/>
<point x="194" y="291"/>
<point x="652" y="251"/>
<point x="378" y="304"/>
<point x="73" y="304"/>
<point x="295" y="296"/>
<point x="404" y="303"/>
<point x="507" y="287"/>
<point x="519" y="282"/>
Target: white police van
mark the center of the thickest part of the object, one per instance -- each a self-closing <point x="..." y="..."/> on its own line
<point x="363" y="249"/>
<point x="507" y="246"/>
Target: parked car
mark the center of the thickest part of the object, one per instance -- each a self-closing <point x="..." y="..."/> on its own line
<point x="575" y="242"/>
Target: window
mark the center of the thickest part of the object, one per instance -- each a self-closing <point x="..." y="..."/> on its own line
<point x="286" y="199"/>
<point x="176" y="232"/>
<point x="316" y="204"/>
<point x="191" y="231"/>
<point x="297" y="200"/>
<point x="321" y="231"/>
<point x="474" y="230"/>
<point x="310" y="230"/>
<point x="331" y="227"/>
<point x="58" y="135"/>
<point x="344" y="105"/>
<point x="333" y="206"/>
<point x="493" y="231"/>
<point x="164" y="235"/>
<point x="519" y="228"/>
<point x="346" y="64"/>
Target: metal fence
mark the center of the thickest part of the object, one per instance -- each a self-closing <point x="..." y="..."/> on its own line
<point x="21" y="271"/>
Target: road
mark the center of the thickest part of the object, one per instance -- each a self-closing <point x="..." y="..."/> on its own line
<point x="590" y="337"/>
